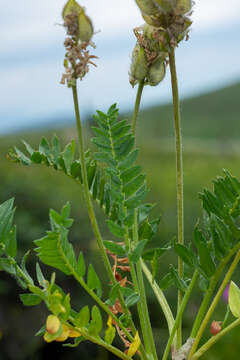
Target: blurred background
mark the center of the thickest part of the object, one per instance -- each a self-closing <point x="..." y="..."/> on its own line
<point x="33" y="103"/>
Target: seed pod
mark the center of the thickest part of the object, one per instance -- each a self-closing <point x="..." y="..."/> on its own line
<point x="85" y="27"/>
<point x="52" y="324"/>
<point x="166" y="5"/>
<point x="183" y="6"/>
<point x="71" y="7"/>
<point x="139" y="66"/>
<point x="216" y="327"/>
<point x="147" y="7"/>
<point x="156" y="73"/>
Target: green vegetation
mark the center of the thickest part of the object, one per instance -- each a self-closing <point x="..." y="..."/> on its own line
<point x="211" y="139"/>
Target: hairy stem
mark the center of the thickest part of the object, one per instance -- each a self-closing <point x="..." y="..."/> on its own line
<point x="214" y="304"/>
<point x="137" y="106"/>
<point x="180" y="314"/>
<point x="179" y="173"/>
<point x="86" y="188"/>
<point x="143" y="299"/>
<point x="214" y="339"/>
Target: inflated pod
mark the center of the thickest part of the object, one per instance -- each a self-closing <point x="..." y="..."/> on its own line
<point x="85" y="27"/>
<point x="156" y="73"/>
<point x="183" y="6"/>
<point x="147" y="7"/>
<point x="166" y="5"/>
<point x="71" y="7"/>
<point x="139" y="66"/>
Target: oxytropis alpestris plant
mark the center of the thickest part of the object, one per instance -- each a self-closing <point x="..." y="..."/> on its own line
<point x="110" y="176"/>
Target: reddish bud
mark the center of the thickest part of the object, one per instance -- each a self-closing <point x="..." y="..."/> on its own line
<point x="216" y="327"/>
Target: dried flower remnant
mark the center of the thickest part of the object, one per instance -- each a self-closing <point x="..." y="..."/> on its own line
<point x="80" y="31"/>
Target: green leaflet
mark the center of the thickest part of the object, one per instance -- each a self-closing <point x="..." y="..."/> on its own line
<point x="179" y="282"/>
<point x="6" y="218"/>
<point x="234" y="299"/>
<point x="115" y="229"/>
<point x="93" y="281"/>
<point x="54" y="249"/>
<point x="11" y="243"/>
<point x="114" y="248"/>
<point x="81" y="267"/>
<point x="132" y="299"/>
<point x="127" y="186"/>
<point x="83" y="317"/>
<point x="206" y="261"/>
<point x="30" y="299"/>
<point x="96" y="323"/>
<point x="136" y="253"/>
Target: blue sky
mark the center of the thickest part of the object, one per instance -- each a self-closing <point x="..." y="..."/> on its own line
<point x="32" y="53"/>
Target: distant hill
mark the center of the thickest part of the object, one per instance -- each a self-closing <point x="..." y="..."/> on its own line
<point x="215" y="115"/>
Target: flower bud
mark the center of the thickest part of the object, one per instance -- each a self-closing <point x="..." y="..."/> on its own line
<point x="52" y="324"/>
<point x="183" y="6"/>
<point x="216" y="327"/>
<point x="139" y="66"/>
<point x="85" y="27"/>
<point x="147" y="7"/>
<point x="156" y="73"/>
<point x="166" y="5"/>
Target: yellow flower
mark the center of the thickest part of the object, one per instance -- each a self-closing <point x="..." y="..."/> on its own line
<point x="64" y="335"/>
<point x="74" y="333"/>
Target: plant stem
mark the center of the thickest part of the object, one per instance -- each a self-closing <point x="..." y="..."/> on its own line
<point x="214" y="339"/>
<point x="160" y="297"/>
<point x="179" y="171"/>
<point x="210" y="290"/>
<point x="214" y="303"/>
<point x="97" y="340"/>
<point x="102" y="305"/>
<point x="143" y="300"/>
<point x="86" y="188"/>
<point x="180" y="314"/>
<point x="136" y="107"/>
<point x="226" y="317"/>
<point x="90" y="205"/>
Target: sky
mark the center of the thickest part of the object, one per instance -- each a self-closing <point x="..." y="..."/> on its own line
<point x="32" y="52"/>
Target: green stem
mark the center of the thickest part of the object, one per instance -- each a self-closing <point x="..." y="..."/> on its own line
<point x="143" y="300"/>
<point x="90" y="205"/>
<point x="214" y="339"/>
<point x="214" y="304"/>
<point x="226" y="317"/>
<point x="210" y="290"/>
<point x="97" y="340"/>
<point x="102" y="305"/>
<point x="160" y="297"/>
<point x="180" y="314"/>
<point x="179" y="170"/>
<point x="136" y="107"/>
<point x="86" y="188"/>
